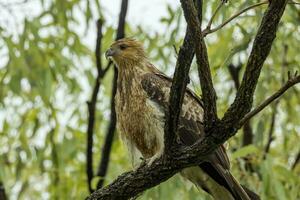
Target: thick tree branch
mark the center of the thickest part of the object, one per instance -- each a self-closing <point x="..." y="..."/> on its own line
<point x="260" y="50"/>
<point x="180" y="81"/>
<point x="291" y="82"/>
<point x="105" y="155"/>
<point x="132" y="183"/>
<point x="208" y="91"/>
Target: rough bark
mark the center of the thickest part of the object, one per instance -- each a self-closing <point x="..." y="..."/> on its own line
<point x="207" y="88"/>
<point x="181" y="79"/>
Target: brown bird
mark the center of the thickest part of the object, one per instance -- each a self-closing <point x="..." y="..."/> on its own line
<point x="141" y="103"/>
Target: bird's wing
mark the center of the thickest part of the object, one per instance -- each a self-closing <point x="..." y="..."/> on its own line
<point x="190" y="128"/>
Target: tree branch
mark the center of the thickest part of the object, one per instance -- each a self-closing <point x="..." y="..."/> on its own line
<point x="234" y="72"/>
<point x="271" y="130"/>
<point x="132" y="183"/>
<point x="208" y="91"/>
<point x="208" y="29"/>
<point x="180" y="81"/>
<point x="105" y="155"/>
<point x="291" y="82"/>
<point x="122" y="20"/>
<point x="260" y="50"/>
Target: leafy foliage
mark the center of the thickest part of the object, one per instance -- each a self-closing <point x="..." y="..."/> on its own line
<point x="47" y="72"/>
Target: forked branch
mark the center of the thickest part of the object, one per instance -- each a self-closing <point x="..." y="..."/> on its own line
<point x="208" y="91"/>
<point x="208" y="29"/>
<point x="180" y="81"/>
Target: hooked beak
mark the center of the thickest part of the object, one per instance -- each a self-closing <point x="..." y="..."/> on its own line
<point x="109" y="53"/>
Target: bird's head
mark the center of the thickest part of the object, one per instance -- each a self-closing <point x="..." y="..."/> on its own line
<point x="125" y="52"/>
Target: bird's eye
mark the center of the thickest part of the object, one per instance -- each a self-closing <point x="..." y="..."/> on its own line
<point x="123" y="46"/>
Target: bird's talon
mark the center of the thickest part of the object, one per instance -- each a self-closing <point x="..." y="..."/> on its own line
<point x="150" y="161"/>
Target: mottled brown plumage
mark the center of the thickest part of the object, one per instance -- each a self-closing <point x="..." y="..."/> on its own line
<point x="141" y="103"/>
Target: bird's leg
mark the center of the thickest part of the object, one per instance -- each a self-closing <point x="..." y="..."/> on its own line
<point x="156" y="156"/>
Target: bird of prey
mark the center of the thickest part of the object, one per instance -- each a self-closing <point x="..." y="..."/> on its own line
<point x="141" y="104"/>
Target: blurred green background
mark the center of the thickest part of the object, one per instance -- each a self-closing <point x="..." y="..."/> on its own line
<point x="47" y="73"/>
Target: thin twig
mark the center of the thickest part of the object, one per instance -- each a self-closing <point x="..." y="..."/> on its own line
<point x="271" y="130"/>
<point x="98" y="56"/>
<point x="297" y="159"/>
<point x="175" y="50"/>
<point x="208" y="27"/>
<point x="208" y="30"/>
<point x="291" y="82"/>
<point x="104" y="71"/>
